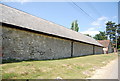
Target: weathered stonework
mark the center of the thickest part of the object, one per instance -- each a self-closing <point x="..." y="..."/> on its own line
<point x="24" y="45"/>
<point x="19" y="44"/>
<point x="98" y="50"/>
<point x="80" y="49"/>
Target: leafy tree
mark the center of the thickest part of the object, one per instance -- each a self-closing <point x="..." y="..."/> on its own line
<point x="100" y="36"/>
<point x="74" y="26"/>
<point x="118" y="29"/>
<point x="118" y="42"/>
<point x="111" y="30"/>
<point x="88" y="35"/>
<point x="118" y="37"/>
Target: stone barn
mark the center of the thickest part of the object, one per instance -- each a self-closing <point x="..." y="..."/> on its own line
<point x="25" y="37"/>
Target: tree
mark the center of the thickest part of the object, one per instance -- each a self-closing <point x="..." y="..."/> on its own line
<point x="118" y="43"/>
<point x="88" y="35"/>
<point x="118" y="29"/>
<point x="118" y="36"/>
<point x="111" y="31"/>
<point x="100" y="36"/>
<point x="74" y="26"/>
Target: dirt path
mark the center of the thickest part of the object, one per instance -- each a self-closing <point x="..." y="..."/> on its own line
<point x="110" y="71"/>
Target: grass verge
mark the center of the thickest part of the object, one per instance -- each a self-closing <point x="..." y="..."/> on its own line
<point x="71" y="68"/>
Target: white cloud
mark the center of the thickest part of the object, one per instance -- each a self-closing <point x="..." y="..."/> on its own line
<point x="102" y="18"/>
<point x="114" y="17"/>
<point x="100" y="21"/>
<point x="24" y="1"/>
<point x="95" y="23"/>
<point x="92" y="28"/>
<point x="92" y="33"/>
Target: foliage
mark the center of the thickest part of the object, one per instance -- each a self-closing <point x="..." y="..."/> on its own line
<point x="118" y="38"/>
<point x="100" y="36"/>
<point x="88" y="35"/>
<point x="110" y="30"/>
<point x="113" y="32"/>
<point x="118" y="42"/>
<point x="74" y="26"/>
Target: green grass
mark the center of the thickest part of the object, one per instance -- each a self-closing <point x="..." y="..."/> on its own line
<point x="71" y="68"/>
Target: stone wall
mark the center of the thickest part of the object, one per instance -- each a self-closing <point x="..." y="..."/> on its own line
<point x="19" y="44"/>
<point x="98" y="50"/>
<point x="82" y="49"/>
<point x="24" y="45"/>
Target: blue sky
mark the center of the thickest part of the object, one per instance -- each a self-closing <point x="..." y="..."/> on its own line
<point x="63" y="13"/>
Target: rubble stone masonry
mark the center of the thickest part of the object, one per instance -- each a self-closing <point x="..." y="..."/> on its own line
<point x="24" y="45"/>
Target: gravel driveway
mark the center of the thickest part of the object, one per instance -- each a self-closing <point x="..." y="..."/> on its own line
<point x="110" y="71"/>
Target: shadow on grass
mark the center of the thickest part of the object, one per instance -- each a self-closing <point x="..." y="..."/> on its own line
<point x="63" y="58"/>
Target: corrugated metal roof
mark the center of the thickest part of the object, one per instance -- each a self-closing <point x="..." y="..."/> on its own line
<point x="25" y="20"/>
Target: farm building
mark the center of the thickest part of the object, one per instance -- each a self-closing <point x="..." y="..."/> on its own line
<point x="107" y="46"/>
<point x="28" y="37"/>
